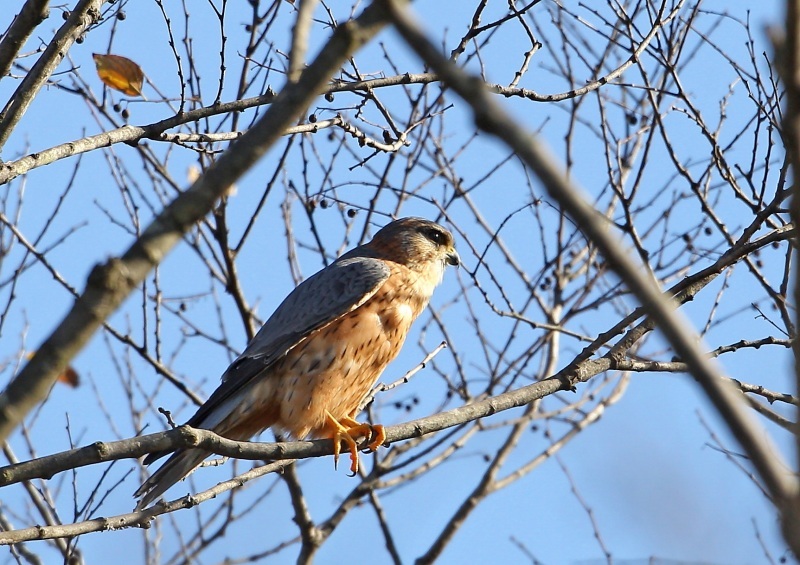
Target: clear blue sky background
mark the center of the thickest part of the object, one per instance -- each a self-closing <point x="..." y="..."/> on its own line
<point x="655" y="486"/>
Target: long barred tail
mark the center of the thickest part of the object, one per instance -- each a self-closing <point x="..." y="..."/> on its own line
<point x="173" y="470"/>
<point x="238" y="418"/>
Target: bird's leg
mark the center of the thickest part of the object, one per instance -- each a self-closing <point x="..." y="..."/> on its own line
<point x="348" y="429"/>
<point x="338" y="432"/>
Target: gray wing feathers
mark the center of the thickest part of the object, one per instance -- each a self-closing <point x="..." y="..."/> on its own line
<point x="321" y="299"/>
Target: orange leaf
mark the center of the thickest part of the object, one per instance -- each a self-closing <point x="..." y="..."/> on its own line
<point x="69" y="376"/>
<point x="119" y="73"/>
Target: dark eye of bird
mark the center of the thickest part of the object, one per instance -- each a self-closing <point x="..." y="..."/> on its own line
<point x="435" y="236"/>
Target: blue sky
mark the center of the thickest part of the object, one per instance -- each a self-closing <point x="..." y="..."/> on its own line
<point x="655" y="486"/>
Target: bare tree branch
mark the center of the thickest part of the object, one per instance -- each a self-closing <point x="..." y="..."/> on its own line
<point x="32" y="13"/>
<point x="790" y="506"/>
<point x="85" y="13"/>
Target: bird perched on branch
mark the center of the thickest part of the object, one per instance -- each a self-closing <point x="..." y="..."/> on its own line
<point x="319" y="354"/>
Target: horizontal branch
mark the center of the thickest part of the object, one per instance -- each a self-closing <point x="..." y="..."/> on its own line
<point x="132" y="135"/>
<point x="681" y="367"/>
<point x="184" y="437"/>
<point x="138" y="519"/>
<point x="234" y="135"/>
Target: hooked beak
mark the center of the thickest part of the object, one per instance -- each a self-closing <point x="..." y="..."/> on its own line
<point x="452" y="258"/>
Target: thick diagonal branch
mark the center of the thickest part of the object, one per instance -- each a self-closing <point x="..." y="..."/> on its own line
<point x="86" y="13"/>
<point x="32" y="13"/>
<point x="490" y="117"/>
<point x="111" y="283"/>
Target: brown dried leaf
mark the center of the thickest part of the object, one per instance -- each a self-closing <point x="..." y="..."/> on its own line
<point x="119" y="73"/>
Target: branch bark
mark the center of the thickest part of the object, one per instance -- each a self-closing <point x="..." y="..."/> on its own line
<point x="33" y="13"/>
<point x="791" y="77"/>
<point x="85" y="14"/>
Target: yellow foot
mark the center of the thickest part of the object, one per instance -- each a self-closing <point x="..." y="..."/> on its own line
<point x="376" y="433"/>
<point x="377" y="437"/>
<point x="347" y="430"/>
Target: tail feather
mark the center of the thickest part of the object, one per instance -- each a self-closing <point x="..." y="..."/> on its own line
<point x="173" y="470"/>
<point x="228" y="420"/>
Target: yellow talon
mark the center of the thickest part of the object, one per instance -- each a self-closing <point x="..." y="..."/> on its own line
<point x="377" y="437"/>
<point x="347" y="429"/>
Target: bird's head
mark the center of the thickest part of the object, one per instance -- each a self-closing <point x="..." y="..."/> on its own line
<point x="416" y="243"/>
